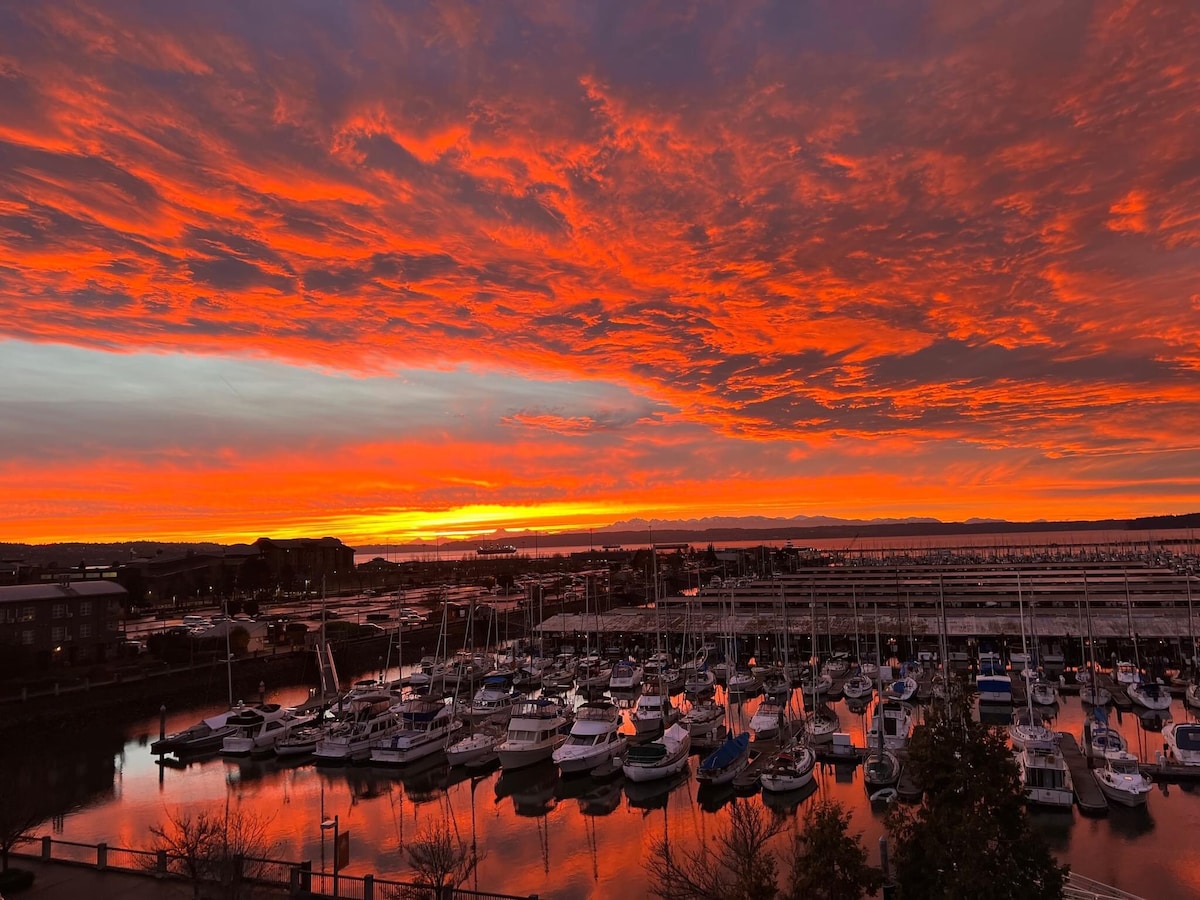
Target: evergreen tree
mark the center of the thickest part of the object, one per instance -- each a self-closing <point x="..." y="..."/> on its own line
<point x="971" y="835"/>
<point x="828" y="863"/>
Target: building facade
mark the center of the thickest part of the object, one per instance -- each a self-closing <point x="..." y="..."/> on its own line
<point x="69" y="623"/>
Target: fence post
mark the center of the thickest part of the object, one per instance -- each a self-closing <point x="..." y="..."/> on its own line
<point x="46" y="847"/>
<point x="160" y="868"/>
<point x="368" y="885"/>
<point x="102" y="856"/>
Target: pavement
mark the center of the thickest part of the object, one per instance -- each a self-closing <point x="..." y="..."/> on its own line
<point x="64" y="881"/>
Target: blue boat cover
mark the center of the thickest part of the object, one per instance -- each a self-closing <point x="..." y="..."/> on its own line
<point x="1099" y="714"/>
<point x="730" y="750"/>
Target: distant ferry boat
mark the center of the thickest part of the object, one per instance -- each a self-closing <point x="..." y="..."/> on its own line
<point x="612" y="546"/>
<point x="496" y="549"/>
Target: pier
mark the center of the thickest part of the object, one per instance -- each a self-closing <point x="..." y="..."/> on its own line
<point x="1088" y="796"/>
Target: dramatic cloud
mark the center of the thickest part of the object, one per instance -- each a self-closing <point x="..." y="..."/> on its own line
<point x="930" y="258"/>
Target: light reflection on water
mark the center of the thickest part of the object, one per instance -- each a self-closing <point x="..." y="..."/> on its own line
<point x="543" y="834"/>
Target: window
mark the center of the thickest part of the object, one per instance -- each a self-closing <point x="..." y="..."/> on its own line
<point x="59" y="611"/>
<point x="27" y="637"/>
<point x="28" y="613"/>
<point x="85" y="630"/>
<point x="114" y="625"/>
<point x="85" y="607"/>
<point x="8" y="614"/>
<point x="58" y="633"/>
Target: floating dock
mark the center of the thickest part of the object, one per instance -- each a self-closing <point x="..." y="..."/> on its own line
<point x="1088" y="795"/>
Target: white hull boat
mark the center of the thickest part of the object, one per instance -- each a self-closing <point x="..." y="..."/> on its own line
<point x="767" y="719"/>
<point x="1149" y="694"/>
<point x="654" y="711"/>
<point x="255" y="734"/>
<point x="789" y="770"/>
<point x="1122" y="780"/>
<point x="595" y="739"/>
<point x="726" y="762"/>
<point x="370" y="718"/>
<point x="661" y="758"/>
<point x="537" y="728"/>
<point x="426" y="728"/>
<point x="702" y="718"/>
<point x="1045" y="777"/>
<point x="475" y="747"/>
<point x="897" y="726"/>
<point x="1043" y="693"/>
<point x="1183" y="743"/>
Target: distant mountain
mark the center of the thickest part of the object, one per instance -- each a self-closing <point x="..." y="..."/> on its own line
<point x="710" y="523"/>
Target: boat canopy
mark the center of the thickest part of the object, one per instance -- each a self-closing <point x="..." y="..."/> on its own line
<point x="727" y="753"/>
<point x="1187" y="737"/>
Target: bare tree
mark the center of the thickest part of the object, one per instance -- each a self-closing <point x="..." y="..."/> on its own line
<point x="222" y="850"/>
<point x="20" y="812"/>
<point x="734" y="866"/>
<point x="442" y="861"/>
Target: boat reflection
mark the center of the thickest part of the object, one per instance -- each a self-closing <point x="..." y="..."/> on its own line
<point x="532" y="788"/>
<point x="602" y="799"/>
<point x="785" y="803"/>
<point x="648" y="795"/>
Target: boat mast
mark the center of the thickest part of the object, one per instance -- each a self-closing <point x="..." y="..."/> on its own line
<point x="879" y="678"/>
<point x="1024" y="649"/>
<point x="1087" y="605"/>
<point x="1137" y="661"/>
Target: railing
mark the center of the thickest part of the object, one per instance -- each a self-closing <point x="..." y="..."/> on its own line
<point x="295" y="878"/>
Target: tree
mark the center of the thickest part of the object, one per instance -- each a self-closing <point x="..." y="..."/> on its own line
<point x="828" y="863"/>
<point x="20" y="812"/>
<point x="442" y="862"/>
<point x="735" y="866"/>
<point x="971" y="835"/>
<point x="213" y="849"/>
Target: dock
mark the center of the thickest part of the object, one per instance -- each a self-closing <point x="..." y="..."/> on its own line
<point x="1088" y="795"/>
<point x="1120" y="699"/>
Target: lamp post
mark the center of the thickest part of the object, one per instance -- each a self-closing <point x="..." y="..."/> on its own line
<point x="332" y="824"/>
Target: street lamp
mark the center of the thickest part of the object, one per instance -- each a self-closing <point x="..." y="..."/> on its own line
<point x="332" y="824"/>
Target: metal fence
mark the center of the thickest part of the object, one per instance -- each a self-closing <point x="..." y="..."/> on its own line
<point x="295" y="878"/>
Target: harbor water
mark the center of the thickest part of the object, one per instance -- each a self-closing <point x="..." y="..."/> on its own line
<point x="538" y="832"/>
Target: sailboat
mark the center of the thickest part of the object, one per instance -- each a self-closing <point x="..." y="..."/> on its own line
<point x="1092" y="694"/>
<point x="726" y="762"/>
<point x="1028" y="730"/>
<point x="822" y="722"/>
<point x="881" y="768"/>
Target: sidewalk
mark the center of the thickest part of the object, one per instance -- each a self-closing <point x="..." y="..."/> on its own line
<point x="64" y="881"/>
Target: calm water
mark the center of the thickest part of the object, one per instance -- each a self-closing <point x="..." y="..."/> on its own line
<point x="554" y="837"/>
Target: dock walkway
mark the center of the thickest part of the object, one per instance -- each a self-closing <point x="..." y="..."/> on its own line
<point x="1088" y="795"/>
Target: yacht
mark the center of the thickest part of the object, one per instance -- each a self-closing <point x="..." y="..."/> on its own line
<point x="476" y="747"/>
<point x="368" y="719"/>
<point x="1043" y="693"/>
<point x="426" y="727"/>
<point x="255" y="732"/>
<point x="654" y="710"/>
<point x="767" y="720"/>
<point x="1028" y="727"/>
<point x="1183" y="743"/>
<point x="207" y="734"/>
<point x="993" y="683"/>
<point x="726" y="762"/>
<point x="595" y="738"/>
<point x="1122" y="780"/>
<point x="537" y="728"/>
<point x="1127" y="672"/>
<point x="703" y="718"/>
<point x="660" y="758"/>
<point x="1099" y="738"/>
<point x="303" y="739"/>
<point x="593" y="672"/>
<point x="789" y="770"/>
<point x="897" y="725"/>
<point x="1149" y="694"/>
<point x="626" y="676"/>
<point x="1045" y="776"/>
<point x="495" y="698"/>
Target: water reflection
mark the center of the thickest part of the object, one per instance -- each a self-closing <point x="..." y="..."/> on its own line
<point x="532" y="789"/>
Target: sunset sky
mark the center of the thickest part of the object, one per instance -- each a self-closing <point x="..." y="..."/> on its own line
<point x="394" y="270"/>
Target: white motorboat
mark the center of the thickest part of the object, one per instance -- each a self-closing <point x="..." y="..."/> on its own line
<point x="494" y="699"/>
<point x="537" y="728"/>
<point x="993" y="683"/>
<point x="821" y="724"/>
<point x="368" y="719"/>
<point x="767" y="720"/>
<point x="1043" y="693"/>
<point x="426" y="728"/>
<point x="1149" y="694"/>
<point x="897" y="724"/>
<point x="595" y="738"/>
<point x="207" y="734"/>
<point x="789" y="770"/>
<point x="857" y="687"/>
<point x="703" y="717"/>
<point x="593" y="672"/>
<point x="1100" y="740"/>
<point x="1127" y="672"/>
<point x="1191" y="695"/>
<point x="1183" y="743"/>
<point x="477" y="746"/>
<point x="1122" y="781"/>
<point x="1045" y="776"/>
<point x="661" y="758"/>
<point x="1028" y="727"/>
<point x="881" y="770"/>
<point x="654" y="710"/>
<point x="302" y="740"/>
<point x="626" y="676"/>
<point x="255" y="733"/>
<point x="726" y="762"/>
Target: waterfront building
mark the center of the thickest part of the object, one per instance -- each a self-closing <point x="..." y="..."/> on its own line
<point x="67" y="623"/>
